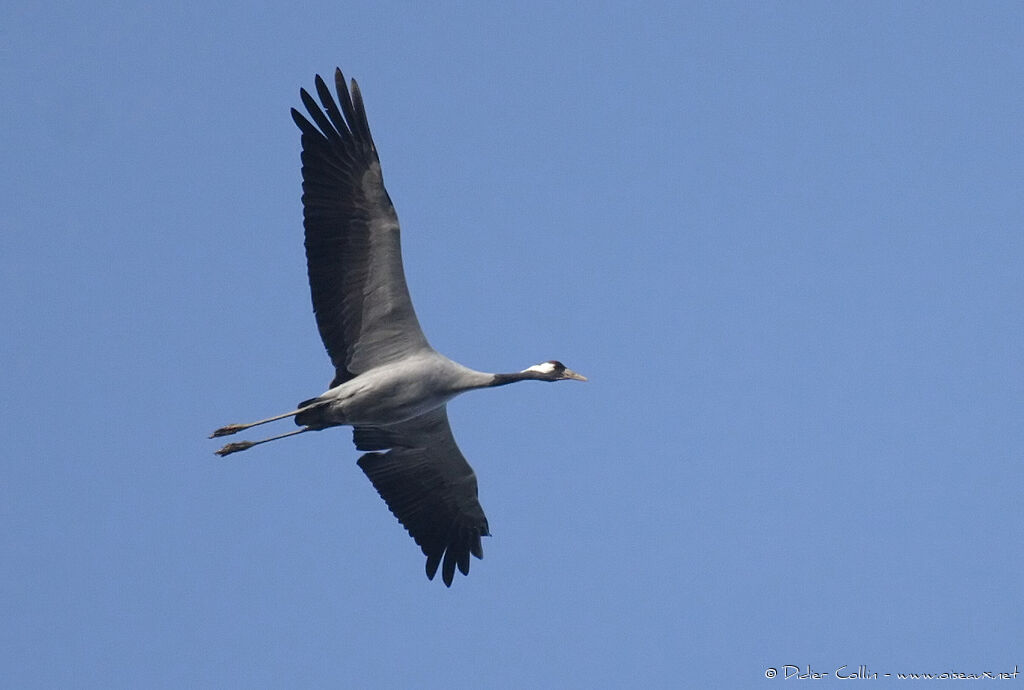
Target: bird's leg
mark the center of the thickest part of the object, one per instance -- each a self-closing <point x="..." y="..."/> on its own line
<point x="235" y="428"/>
<point x="246" y="445"/>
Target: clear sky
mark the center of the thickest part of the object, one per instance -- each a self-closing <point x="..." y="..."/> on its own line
<point x="784" y="241"/>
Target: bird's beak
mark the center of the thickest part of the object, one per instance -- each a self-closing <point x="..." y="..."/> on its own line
<point x="570" y="374"/>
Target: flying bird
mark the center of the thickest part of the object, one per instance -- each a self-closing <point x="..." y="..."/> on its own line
<point x="389" y="384"/>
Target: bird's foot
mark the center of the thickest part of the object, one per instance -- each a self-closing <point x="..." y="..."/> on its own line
<point x="228" y="430"/>
<point x="235" y="447"/>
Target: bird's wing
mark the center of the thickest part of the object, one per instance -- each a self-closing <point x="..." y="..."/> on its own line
<point x="429" y="486"/>
<point x="353" y="251"/>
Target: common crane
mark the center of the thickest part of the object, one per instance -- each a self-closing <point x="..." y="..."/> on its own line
<point x="389" y="384"/>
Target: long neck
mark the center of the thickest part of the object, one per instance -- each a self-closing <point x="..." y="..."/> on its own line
<point x="505" y="379"/>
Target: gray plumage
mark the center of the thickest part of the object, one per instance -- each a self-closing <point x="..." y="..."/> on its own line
<point x="389" y="384"/>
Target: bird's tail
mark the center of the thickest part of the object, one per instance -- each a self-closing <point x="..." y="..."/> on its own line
<point x="314" y="416"/>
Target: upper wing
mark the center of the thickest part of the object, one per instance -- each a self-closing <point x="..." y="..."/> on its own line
<point x="429" y="486"/>
<point x="353" y="251"/>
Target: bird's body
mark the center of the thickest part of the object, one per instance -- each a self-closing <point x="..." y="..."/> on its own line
<point x="389" y="384"/>
<point x="394" y="392"/>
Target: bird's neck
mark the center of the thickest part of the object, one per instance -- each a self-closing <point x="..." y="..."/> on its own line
<point x="505" y="379"/>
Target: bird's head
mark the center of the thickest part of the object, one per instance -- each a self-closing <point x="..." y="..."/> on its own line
<point x="552" y="371"/>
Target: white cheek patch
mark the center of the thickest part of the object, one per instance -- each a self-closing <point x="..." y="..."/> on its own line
<point x="543" y="368"/>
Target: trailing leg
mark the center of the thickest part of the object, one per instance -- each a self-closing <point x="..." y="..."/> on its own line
<point x="235" y="428"/>
<point x="246" y="445"/>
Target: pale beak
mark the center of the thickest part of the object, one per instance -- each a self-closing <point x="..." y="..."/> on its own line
<point x="570" y="374"/>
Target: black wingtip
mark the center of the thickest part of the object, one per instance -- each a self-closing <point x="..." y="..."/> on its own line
<point x="339" y="82"/>
<point x="448" y="570"/>
<point x="433" y="561"/>
<point x="307" y="100"/>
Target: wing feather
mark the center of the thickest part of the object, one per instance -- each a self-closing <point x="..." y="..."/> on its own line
<point x="327" y="101"/>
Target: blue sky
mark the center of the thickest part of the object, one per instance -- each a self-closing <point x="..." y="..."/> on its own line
<point x="783" y="241"/>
